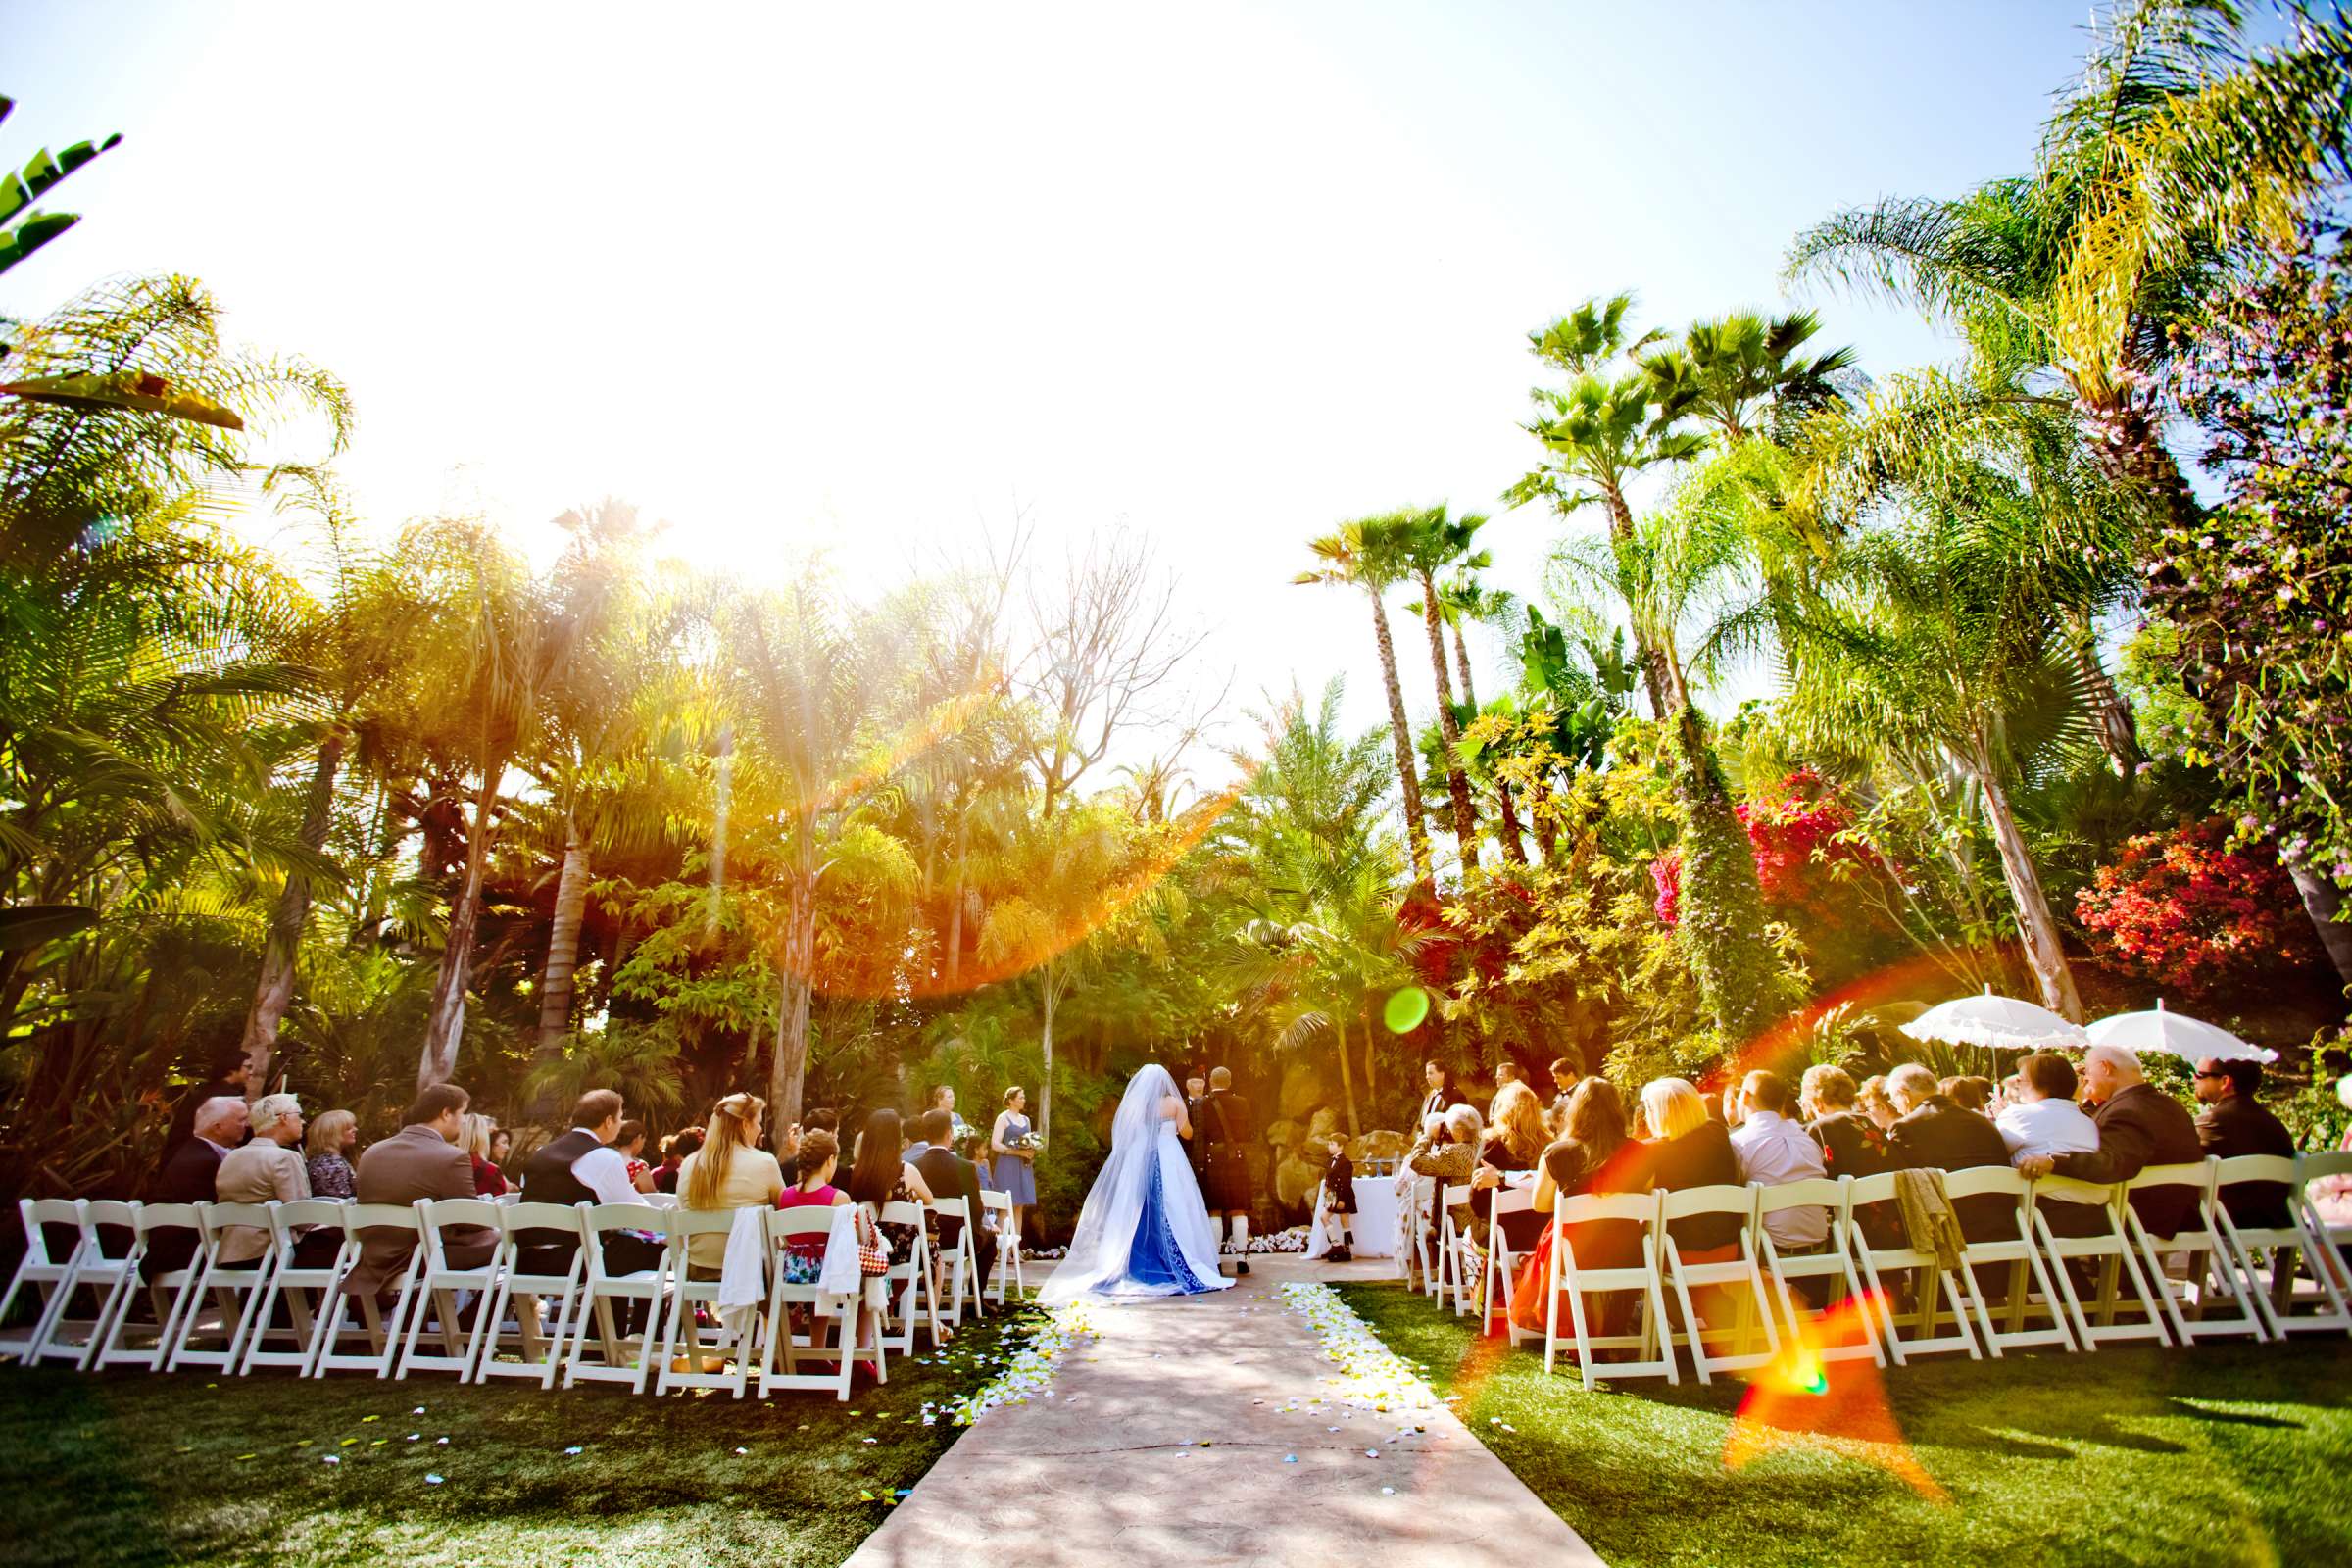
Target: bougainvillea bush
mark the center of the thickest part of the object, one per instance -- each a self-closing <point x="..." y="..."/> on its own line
<point x="2190" y="912"/>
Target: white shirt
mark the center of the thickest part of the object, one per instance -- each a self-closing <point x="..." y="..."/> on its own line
<point x="2048" y="1127"/>
<point x="604" y="1171"/>
<point x="1774" y="1150"/>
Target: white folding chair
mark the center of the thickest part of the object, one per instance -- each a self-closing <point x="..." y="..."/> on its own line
<point x="1933" y="1288"/>
<point x="438" y="1287"/>
<point x="2329" y="1240"/>
<point x="686" y="1293"/>
<point x="1414" y="1261"/>
<point x="2296" y="1248"/>
<point x="1502" y="1264"/>
<point x="112" y="1279"/>
<point x="621" y="1358"/>
<point x="962" y="1261"/>
<point x="307" y="1290"/>
<point x="1654" y="1354"/>
<point x="1739" y="1277"/>
<point x="52" y="1276"/>
<point x="784" y="1227"/>
<point x="1834" y="1262"/>
<point x="538" y="1348"/>
<point x="2199" y="1245"/>
<point x="1008" y="1245"/>
<point x="233" y="1292"/>
<point x="2017" y="1256"/>
<point x="908" y="1284"/>
<point x="2110" y="1248"/>
<point x="1454" y="1249"/>
<point x="380" y="1345"/>
<point x="171" y="1295"/>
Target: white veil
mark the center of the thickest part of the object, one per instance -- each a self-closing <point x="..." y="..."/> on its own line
<point x="1097" y="1256"/>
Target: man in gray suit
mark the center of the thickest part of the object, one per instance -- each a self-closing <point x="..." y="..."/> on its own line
<point x="420" y="1161"/>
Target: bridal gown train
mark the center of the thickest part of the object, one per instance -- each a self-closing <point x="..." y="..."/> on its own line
<point x="1145" y="1230"/>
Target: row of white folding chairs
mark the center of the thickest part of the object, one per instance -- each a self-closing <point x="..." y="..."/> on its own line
<point x="250" y="1294"/>
<point x="2310" y="1288"/>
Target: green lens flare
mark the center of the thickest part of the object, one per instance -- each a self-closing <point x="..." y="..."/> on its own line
<point x="1407" y="1008"/>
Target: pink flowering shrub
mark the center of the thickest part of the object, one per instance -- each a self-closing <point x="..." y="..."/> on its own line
<point x="2190" y="912"/>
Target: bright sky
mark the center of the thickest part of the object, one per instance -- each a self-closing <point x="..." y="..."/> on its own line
<point x="862" y="279"/>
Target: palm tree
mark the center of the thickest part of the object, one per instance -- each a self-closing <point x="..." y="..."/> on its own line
<point x="1740" y="374"/>
<point x="1602" y="431"/>
<point x="1462" y="599"/>
<point x="1364" y="555"/>
<point x="1428" y="541"/>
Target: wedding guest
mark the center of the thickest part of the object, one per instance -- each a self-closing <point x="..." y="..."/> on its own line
<point x="2232" y="1124"/>
<point x="1877" y="1103"/>
<point x="1594" y="1156"/>
<point x="188" y="1175"/>
<point x="729" y="1171"/>
<point x="1438" y="1083"/>
<point x="1851" y="1143"/>
<point x="1565" y="1075"/>
<point x="1515" y="1141"/>
<point x="1689" y="1148"/>
<point x="2043" y="1118"/>
<point x="1774" y="1150"/>
<point x="1447" y="1149"/>
<point x="824" y="1118"/>
<point x="1969" y="1091"/>
<point x="950" y="1175"/>
<point x="1011" y="1152"/>
<point x="1934" y="1134"/>
<point x="2140" y="1125"/>
<point x="675" y="1154"/>
<point x="474" y="1136"/>
<point x="582" y="1166"/>
<point x="882" y="1176"/>
<point x="502" y="1147"/>
<point x="270" y="1168"/>
<point x="420" y="1161"/>
<point x="630" y="1143"/>
<point x="229" y="1078"/>
<point x="803" y="1261"/>
<point x="332" y="1139"/>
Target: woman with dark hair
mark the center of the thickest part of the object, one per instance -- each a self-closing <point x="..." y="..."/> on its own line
<point x="881" y="1176"/>
<point x="1595" y="1155"/>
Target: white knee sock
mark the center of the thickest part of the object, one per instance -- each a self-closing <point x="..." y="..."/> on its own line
<point x="1241" y="1234"/>
<point x="1216" y="1225"/>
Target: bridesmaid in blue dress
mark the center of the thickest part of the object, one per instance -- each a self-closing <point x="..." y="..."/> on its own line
<point x="1012" y="1159"/>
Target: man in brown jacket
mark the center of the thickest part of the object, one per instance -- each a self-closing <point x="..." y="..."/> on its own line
<point x="420" y="1161"/>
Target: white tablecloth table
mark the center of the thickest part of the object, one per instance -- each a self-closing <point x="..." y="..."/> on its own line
<point x="1375" y="1222"/>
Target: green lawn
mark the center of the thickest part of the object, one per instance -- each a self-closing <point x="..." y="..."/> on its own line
<point x="2225" y="1453"/>
<point x="134" y="1468"/>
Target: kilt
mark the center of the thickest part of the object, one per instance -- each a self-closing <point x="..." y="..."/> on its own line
<point x="1226" y="1186"/>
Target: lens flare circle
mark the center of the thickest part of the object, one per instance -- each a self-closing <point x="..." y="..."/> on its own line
<point x="1405" y="1010"/>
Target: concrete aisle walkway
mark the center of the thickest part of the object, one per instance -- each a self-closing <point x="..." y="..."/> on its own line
<point x="1111" y="1471"/>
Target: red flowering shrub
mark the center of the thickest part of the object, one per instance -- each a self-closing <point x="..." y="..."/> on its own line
<point x="1785" y="834"/>
<point x="2185" y="909"/>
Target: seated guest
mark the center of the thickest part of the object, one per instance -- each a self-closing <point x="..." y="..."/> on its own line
<point x="227" y="1079"/>
<point x="630" y="1141"/>
<point x="271" y="1167"/>
<point x="1594" y="1156"/>
<point x="881" y="1176"/>
<point x="1772" y="1150"/>
<point x="2231" y="1124"/>
<point x="332" y="1138"/>
<point x="823" y="1119"/>
<point x="502" y="1147"/>
<point x="1448" y="1151"/>
<point x="474" y="1137"/>
<point x="1724" y="1107"/>
<point x="1515" y="1139"/>
<point x="729" y="1171"/>
<point x="950" y="1175"/>
<point x="1851" y="1143"/>
<point x="675" y="1151"/>
<point x="580" y="1167"/>
<point x="1934" y="1134"/>
<point x="420" y="1161"/>
<point x="1877" y="1103"/>
<point x="2044" y="1119"/>
<point x="1687" y="1147"/>
<point x="2140" y="1125"/>
<point x="1969" y="1091"/>
<point x="821" y="1157"/>
<point x="188" y="1175"/>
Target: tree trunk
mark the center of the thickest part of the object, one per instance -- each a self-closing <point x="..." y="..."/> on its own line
<point x="445" y="1021"/>
<point x="2322" y="900"/>
<point x="1416" y="827"/>
<point x="563" y="949"/>
<point x="275" y="991"/>
<point x="1346" y="1076"/>
<point x="1722" y="919"/>
<point x="1450" y="730"/>
<point x="2038" y="928"/>
<point x="788" y="1070"/>
<point x="1049" y="995"/>
<point x="2111" y="711"/>
<point x="1653" y="663"/>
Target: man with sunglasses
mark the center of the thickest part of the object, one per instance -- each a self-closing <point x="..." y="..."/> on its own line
<point x="2231" y="1124"/>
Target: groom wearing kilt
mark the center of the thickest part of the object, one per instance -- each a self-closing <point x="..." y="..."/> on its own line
<point x="1223" y="1138"/>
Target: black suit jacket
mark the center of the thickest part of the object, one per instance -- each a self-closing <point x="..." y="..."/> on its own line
<point x="187" y="1176"/>
<point x="950" y="1175"/>
<point x="2235" y="1125"/>
<point x="1851" y="1144"/>
<point x="1942" y="1135"/>
<point x="2140" y="1127"/>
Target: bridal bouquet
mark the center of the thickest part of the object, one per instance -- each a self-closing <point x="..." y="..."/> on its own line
<point x="1035" y="1143"/>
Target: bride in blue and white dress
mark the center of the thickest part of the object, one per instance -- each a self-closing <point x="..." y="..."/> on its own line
<point x="1145" y="1230"/>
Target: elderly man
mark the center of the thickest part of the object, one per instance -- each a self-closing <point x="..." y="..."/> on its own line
<point x="2140" y="1125"/>
<point x="2233" y="1124"/>
<point x="271" y="1167"/>
<point x="420" y="1161"/>
<point x="1931" y="1133"/>
<point x="1774" y="1150"/>
<point x="187" y="1176"/>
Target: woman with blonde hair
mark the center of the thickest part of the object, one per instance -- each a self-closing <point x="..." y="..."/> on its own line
<point x="474" y="1136"/>
<point x="1687" y="1147"/>
<point x="332" y="1138"/>
<point x="729" y="1171"/>
<point x="1515" y="1139"/>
